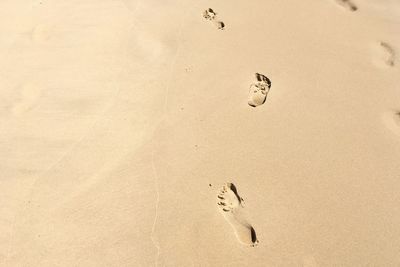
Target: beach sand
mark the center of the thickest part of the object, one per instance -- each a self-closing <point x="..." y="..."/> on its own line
<point x="137" y="133"/>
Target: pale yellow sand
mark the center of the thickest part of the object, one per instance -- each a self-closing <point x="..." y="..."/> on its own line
<point x="116" y="115"/>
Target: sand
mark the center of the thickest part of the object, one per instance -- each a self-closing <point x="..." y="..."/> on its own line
<point x="122" y="121"/>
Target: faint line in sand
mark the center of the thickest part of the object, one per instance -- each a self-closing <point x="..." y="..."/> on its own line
<point x="155" y="173"/>
<point x="156" y="243"/>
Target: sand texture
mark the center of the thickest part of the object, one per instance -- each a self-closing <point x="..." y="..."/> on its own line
<point x="200" y="133"/>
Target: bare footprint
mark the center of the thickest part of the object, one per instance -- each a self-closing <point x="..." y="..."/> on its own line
<point x="219" y="24"/>
<point x="231" y="206"/>
<point x="309" y="261"/>
<point x="30" y="93"/>
<point x="347" y="4"/>
<point x="258" y="91"/>
<point x="383" y="54"/>
<point x="211" y="15"/>
<point x="40" y="33"/>
<point x="131" y="5"/>
<point x="392" y="121"/>
<point x="388" y="54"/>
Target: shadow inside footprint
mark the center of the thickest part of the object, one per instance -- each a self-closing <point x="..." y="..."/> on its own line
<point x="220" y="25"/>
<point x="253" y="235"/>
<point x="263" y="78"/>
<point x="234" y="190"/>
<point x="348" y="4"/>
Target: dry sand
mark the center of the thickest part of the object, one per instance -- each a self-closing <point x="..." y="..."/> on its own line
<point x="122" y="121"/>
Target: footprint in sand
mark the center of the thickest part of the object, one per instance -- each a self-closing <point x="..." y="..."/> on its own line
<point x="131" y="5"/>
<point x="383" y="54"/>
<point x="231" y="206"/>
<point x="211" y="15"/>
<point x="219" y="24"/>
<point x="347" y="4"/>
<point x="40" y="33"/>
<point x="387" y="54"/>
<point x="258" y="91"/>
<point x="309" y="261"/>
<point x="392" y="121"/>
<point x="30" y="94"/>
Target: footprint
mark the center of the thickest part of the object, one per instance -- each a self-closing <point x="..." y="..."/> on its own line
<point x="383" y="55"/>
<point x="392" y="121"/>
<point x="131" y="5"/>
<point x="388" y="54"/>
<point x="30" y="94"/>
<point x="40" y="33"/>
<point x="258" y="91"/>
<point x="309" y="261"/>
<point x="347" y="4"/>
<point x="219" y="24"/>
<point x="231" y="206"/>
<point x="211" y="15"/>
